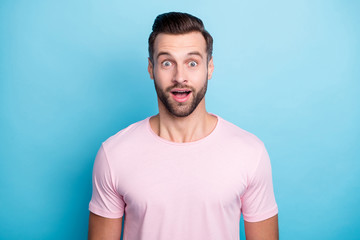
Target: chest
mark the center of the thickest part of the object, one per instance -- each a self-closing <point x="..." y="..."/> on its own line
<point x="182" y="181"/>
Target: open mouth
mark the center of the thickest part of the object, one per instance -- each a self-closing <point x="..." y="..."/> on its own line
<point x="180" y="95"/>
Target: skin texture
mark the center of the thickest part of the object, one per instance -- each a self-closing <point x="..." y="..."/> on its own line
<point x="101" y="228"/>
<point x="263" y="230"/>
<point x="180" y="61"/>
<point x="180" y="67"/>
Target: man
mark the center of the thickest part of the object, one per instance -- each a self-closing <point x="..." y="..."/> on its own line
<point x="184" y="173"/>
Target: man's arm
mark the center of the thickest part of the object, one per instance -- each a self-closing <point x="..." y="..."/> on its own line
<point x="263" y="230"/>
<point x="101" y="228"/>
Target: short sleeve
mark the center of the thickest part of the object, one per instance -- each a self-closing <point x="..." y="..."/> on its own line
<point x="258" y="201"/>
<point x="105" y="200"/>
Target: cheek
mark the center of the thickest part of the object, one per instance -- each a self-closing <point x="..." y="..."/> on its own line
<point x="200" y="76"/>
<point x="163" y="75"/>
<point x="161" y="78"/>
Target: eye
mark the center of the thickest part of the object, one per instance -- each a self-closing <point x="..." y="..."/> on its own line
<point x="166" y="63"/>
<point x="193" y="64"/>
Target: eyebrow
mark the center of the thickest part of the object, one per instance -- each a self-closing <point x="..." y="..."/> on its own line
<point x="196" y="53"/>
<point x="162" y="53"/>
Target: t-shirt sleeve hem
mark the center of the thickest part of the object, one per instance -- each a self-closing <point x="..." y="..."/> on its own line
<point x="260" y="217"/>
<point x="103" y="213"/>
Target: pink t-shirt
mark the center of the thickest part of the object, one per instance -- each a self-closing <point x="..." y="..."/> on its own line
<point x="195" y="190"/>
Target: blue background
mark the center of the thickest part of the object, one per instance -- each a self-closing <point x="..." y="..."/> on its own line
<point x="73" y="73"/>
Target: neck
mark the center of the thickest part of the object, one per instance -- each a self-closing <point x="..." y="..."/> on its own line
<point x="196" y="126"/>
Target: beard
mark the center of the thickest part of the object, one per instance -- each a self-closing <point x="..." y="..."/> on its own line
<point x="180" y="109"/>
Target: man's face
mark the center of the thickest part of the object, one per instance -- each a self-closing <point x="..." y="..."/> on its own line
<point x="180" y="71"/>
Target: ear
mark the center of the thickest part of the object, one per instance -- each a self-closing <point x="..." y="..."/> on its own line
<point x="210" y="68"/>
<point x="150" y="69"/>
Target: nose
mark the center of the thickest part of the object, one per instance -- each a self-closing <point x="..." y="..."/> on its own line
<point x="180" y="75"/>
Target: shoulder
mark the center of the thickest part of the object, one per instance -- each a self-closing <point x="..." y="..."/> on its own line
<point x="243" y="145"/>
<point x="232" y="133"/>
<point x="127" y="136"/>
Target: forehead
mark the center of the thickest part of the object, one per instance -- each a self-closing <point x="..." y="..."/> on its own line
<point x="178" y="43"/>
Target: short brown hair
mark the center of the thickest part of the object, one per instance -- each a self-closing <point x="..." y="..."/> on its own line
<point x="179" y="23"/>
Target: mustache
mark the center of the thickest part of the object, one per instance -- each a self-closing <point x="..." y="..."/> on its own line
<point x="179" y="85"/>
